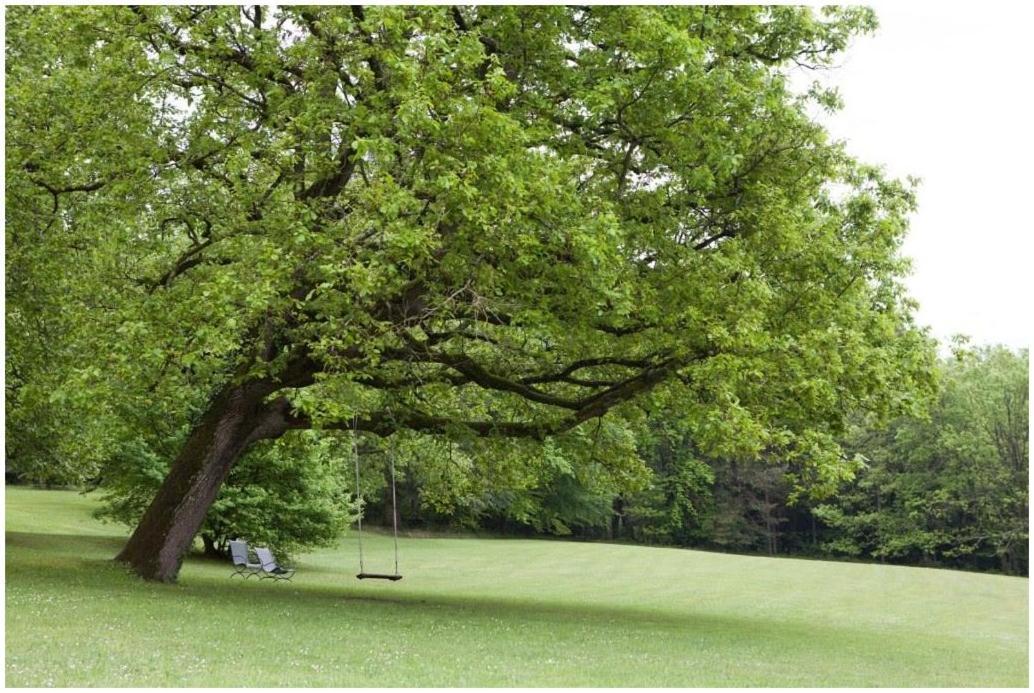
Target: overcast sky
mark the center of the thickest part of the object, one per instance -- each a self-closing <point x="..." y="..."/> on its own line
<point x="943" y="92"/>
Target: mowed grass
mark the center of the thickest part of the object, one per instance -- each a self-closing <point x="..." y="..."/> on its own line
<point x="494" y="612"/>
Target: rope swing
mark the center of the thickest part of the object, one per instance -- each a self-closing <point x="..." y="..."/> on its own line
<point x="363" y="575"/>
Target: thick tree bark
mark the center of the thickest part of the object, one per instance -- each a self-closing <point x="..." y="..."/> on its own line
<point x="236" y="417"/>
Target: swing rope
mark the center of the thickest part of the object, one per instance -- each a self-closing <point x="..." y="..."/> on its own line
<point x="358" y="495"/>
<point x="359" y="520"/>
<point x="394" y="511"/>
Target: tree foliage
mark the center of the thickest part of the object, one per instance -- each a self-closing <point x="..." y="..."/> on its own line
<point x="491" y="221"/>
<point x="951" y="489"/>
<point x="948" y="487"/>
<point x="292" y="494"/>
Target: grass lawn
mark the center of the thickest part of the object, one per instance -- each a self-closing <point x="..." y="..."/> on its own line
<point x="496" y="612"/>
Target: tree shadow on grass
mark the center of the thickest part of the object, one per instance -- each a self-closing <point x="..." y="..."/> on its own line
<point x="76" y="544"/>
<point x="91" y="557"/>
<point x="206" y="580"/>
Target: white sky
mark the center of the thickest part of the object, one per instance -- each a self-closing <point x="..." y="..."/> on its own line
<point x="943" y="92"/>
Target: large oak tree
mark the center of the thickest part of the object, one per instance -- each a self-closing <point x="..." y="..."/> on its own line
<point x="454" y="220"/>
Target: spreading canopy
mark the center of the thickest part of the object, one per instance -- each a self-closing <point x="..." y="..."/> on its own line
<point x="491" y="220"/>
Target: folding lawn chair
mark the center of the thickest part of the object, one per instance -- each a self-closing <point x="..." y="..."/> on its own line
<point x="270" y="568"/>
<point x="241" y="565"/>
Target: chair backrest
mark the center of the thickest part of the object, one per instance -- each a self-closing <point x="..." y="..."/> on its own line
<point x="239" y="551"/>
<point x="265" y="557"/>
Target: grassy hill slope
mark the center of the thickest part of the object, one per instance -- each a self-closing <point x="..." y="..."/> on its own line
<point x="494" y="612"/>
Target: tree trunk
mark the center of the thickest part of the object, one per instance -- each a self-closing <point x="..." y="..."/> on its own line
<point x="236" y="417"/>
<point x="617" y="528"/>
<point x="212" y="549"/>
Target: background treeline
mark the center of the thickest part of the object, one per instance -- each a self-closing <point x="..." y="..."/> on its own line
<point x="949" y="489"/>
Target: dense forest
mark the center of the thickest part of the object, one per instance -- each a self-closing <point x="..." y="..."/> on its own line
<point x="946" y="489"/>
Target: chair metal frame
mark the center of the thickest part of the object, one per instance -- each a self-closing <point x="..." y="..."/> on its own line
<point x="270" y="568"/>
<point x="241" y="565"/>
